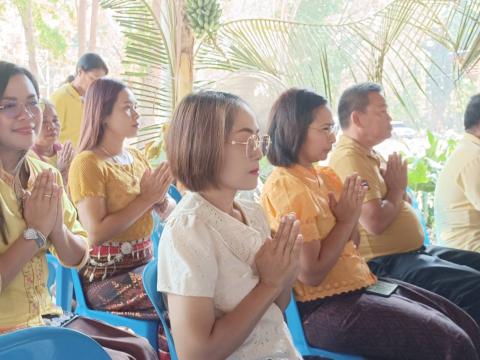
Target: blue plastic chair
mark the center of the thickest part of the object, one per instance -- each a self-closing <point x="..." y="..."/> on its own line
<point x="418" y="212"/>
<point x="157" y="222"/>
<point x="146" y="328"/>
<point x="150" y="284"/>
<point x="53" y="343"/>
<point x="156" y="233"/>
<point x="295" y="326"/>
<point x="64" y="287"/>
<point x="174" y="193"/>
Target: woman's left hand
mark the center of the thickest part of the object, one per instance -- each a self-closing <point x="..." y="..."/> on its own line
<point x="356" y="237"/>
<point x="64" y="157"/>
<point x="154" y="184"/>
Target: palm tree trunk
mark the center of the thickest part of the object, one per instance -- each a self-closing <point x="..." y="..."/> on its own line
<point x="184" y="53"/>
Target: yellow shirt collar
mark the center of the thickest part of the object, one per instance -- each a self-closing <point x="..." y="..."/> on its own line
<point x="471" y="138"/>
<point x="73" y="93"/>
<point x="301" y="171"/>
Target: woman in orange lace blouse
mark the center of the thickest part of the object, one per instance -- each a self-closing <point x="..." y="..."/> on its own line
<point x="337" y="311"/>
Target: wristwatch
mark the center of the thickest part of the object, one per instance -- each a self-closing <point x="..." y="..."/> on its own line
<point x="34" y="234"/>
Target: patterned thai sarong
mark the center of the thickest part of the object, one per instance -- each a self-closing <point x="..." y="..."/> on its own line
<point x="112" y="281"/>
<point x="412" y="323"/>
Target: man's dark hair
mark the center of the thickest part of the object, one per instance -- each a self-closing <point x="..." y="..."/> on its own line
<point x="472" y="113"/>
<point x="355" y="98"/>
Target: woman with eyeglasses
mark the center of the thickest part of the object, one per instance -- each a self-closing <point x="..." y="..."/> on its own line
<point x="115" y="191"/>
<point x="47" y="147"/>
<point x="343" y="306"/>
<point x="227" y="281"/>
<point x="35" y="216"/>
<point x="68" y="99"/>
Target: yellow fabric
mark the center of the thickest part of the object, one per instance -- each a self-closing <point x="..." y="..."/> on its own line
<point x="51" y="160"/>
<point x="69" y="106"/>
<point x="405" y="233"/>
<point x="305" y="192"/>
<point x="24" y="300"/>
<point x="90" y="176"/>
<point x="457" y="197"/>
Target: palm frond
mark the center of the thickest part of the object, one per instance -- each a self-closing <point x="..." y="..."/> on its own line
<point x="148" y="64"/>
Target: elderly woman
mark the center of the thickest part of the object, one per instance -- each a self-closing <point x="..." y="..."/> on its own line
<point x="47" y="147"/>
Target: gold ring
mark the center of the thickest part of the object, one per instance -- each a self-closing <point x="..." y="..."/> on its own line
<point x="47" y="195"/>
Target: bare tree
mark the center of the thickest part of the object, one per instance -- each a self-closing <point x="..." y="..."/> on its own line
<point x="92" y="44"/>
<point x="25" y="10"/>
<point x="81" y="25"/>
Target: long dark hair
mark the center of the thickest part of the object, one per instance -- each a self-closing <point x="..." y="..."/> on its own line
<point x="99" y="101"/>
<point x="7" y="71"/>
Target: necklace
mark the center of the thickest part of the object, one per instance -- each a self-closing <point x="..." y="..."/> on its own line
<point x="117" y="159"/>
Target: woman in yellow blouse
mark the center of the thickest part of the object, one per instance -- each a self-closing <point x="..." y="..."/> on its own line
<point x="333" y="291"/>
<point x="68" y="99"/>
<point x="47" y="147"/>
<point x="36" y="215"/>
<point x="115" y="190"/>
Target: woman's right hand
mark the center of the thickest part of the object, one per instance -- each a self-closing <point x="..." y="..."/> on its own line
<point x="40" y="205"/>
<point x="277" y="260"/>
<point x="348" y="207"/>
<point x="154" y="184"/>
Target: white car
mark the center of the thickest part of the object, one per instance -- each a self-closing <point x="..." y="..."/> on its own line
<point x="402" y="131"/>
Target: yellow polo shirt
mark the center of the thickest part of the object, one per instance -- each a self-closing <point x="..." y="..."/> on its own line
<point x="305" y="192"/>
<point x="69" y="106"/>
<point x="26" y="298"/>
<point x="457" y="197"/>
<point x="405" y="233"/>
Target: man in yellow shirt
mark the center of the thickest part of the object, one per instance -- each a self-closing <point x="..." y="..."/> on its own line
<point x="68" y="99"/>
<point x="391" y="234"/>
<point x="457" y="194"/>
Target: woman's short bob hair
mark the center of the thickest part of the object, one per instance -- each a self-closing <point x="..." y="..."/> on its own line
<point x="196" y="137"/>
<point x="291" y="115"/>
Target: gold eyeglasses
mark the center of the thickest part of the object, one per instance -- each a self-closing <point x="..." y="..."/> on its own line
<point x="330" y="129"/>
<point x="13" y="109"/>
<point x="253" y="144"/>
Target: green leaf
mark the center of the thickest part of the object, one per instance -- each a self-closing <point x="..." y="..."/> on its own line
<point x="418" y="175"/>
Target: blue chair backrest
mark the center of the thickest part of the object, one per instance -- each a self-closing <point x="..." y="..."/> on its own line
<point x="426" y="237"/>
<point x="63" y="282"/>
<point x="79" y="295"/>
<point x="53" y="343"/>
<point x="157" y="222"/>
<point x="156" y="232"/>
<point x="52" y="271"/>
<point x="150" y="285"/>
<point x="174" y="193"/>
